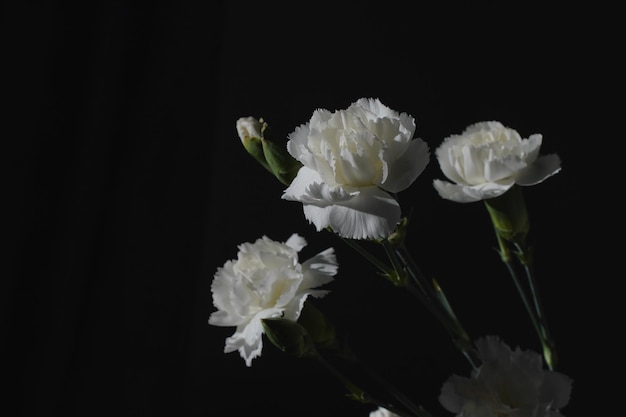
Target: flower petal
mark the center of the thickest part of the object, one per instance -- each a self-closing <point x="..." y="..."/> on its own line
<point x="469" y="194"/>
<point x="501" y="169"/>
<point x="294" y="308"/>
<point x="448" y="161"/>
<point x="556" y="388"/>
<point x="449" y="398"/>
<point x="296" y="242"/>
<point x="405" y="170"/>
<point x="319" y="269"/>
<point x="544" y="166"/>
<point x="372" y="214"/>
<point x="301" y="186"/>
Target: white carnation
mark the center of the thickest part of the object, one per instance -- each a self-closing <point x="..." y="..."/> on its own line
<point x="354" y="161"/>
<point x="266" y="280"/>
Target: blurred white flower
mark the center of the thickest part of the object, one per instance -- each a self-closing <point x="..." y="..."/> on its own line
<point x="354" y="160"/>
<point x="487" y="159"/>
<point x="508" y="383"/>
<point x="382" y="412"/>
<point x="266" y="280"/>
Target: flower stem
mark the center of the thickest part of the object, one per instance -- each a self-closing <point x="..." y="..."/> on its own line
<point x="532" y="303"/>
<point x="419" y="411"/>
<point x="431" y="295"/>
<point x="549" y="350"/>
<point x="382" y="267"/>
<point x="510" y="220"/>
<point x="360" y="395"/>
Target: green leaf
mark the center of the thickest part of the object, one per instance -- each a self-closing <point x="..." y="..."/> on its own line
<point x="290" y="337"/>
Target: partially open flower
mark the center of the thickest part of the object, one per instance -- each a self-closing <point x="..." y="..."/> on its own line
<point x="487" y="159"/>
<point x="354" y="161"/>
<point x="508" y="383"/>
<point x="250" y="131"/>
<point x="266" y="281"/>
<point x="269" y="152"/>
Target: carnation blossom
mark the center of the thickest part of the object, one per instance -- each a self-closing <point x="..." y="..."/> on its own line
<point x="487" y="159"/>
<point x="266" y="281"/>
<point x="508" y="383"/>
<point x="354" y="161"/>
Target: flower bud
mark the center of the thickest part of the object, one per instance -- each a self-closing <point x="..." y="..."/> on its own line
<point x="290" y="337"/>
<point x="269" y="153"/>
<point x="250" y="132"/>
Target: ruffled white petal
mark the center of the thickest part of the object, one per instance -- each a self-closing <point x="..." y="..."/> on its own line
<point x="449" y="163"/>
<point x="302" y="185"/>
<point x="319" y="269"/>
<point x="469" y="194"/>
<point x="556" y="389"/>
<point x="502" y="169"/>
<point x="228" y="297"/>
<point x="405" y="170"/>
<point x="296" y="242"/>
<point x="294" y="308"/>
<point x="471" y="165"/>
<point x="544" y="166"/>
<point x="372" y="214"/>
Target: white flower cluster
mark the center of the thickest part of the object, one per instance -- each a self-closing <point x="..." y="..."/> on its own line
<point x="350" y="165"/>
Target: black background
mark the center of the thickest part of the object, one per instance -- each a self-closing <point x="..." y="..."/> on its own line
<point x="128" y="187"/>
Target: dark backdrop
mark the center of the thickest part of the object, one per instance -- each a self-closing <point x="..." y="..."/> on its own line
<point x="128" y="187"/>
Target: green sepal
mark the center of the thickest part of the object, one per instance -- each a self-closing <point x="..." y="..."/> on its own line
<point x="279" y="160"/>
<point x="290" y="337"/>
<point x="509" y="216"/>
<point x="399" y="234"/>
<point x="321" y="330"/>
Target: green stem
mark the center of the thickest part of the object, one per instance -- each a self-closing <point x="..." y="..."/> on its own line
<point x="361" y="395"/>
<point x="382" y="267"/>
<point x="419" y="411"/>
<point x="509" y="218"/>
<point x="535" y="311"/>
<point x="549" y="351"/>
<point x="414" y="271"/>
<point x="433" y="298"/>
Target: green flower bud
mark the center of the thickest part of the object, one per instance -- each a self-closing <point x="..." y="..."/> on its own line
<point x="272" y="155"/>
<point x="250" y="132"/>
<point x="290" y="337"/>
